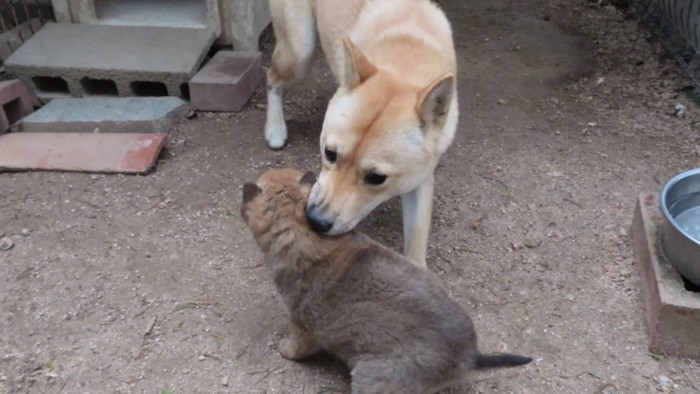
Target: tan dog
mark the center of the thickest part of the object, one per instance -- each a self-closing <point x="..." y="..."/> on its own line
<point x="392" y="322"/>
<point x="392" y="117"/>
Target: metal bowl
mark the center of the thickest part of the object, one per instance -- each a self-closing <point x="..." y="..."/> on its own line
<point x="680" y="204"/>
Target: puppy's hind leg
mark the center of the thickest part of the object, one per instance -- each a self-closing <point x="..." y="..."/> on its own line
<point x="295" y="32"/>
<point x="384" y="377"/>
<point x="300" y="343"/>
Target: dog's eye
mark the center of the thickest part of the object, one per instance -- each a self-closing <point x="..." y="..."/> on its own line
<point x="375" y="179"/>
<point x="331" y="156"/>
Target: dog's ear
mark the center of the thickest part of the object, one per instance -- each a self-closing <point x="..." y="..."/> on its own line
<point x="308" y="179"/>
<point x="250" y="191"/>
<point x="357" y="67"/>
<point x="434" y="101"/>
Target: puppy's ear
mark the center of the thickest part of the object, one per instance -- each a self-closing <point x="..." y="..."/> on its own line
<point x="357" y="67"/>
<point x="250" y="191"/>
<point x="308" y="179"/>
<point x="434" y="102"/>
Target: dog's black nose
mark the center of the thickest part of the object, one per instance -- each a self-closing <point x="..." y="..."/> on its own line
<point x="318" y="223"/>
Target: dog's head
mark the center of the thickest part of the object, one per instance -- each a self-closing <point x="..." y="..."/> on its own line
<point x="277" y="198"/>
<point x="381" y="138"/>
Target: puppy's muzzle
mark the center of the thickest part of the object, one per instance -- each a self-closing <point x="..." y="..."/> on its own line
<point x="316" y="219"/>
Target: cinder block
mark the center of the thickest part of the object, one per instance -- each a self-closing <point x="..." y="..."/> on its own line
<point x="123" y="60"/>
<point x="108" y="115"/>
<point x="84" y="152"/>
<point x="5" y="50"/>
<point x="673" y="312"/>
<point x="36" y="24"/>
<point x="227" y="81"/>
<point x="25" y="31"/>
<point x="15" y="101"/>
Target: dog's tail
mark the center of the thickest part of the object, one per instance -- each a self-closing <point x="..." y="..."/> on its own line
<point x="498" y="360"/>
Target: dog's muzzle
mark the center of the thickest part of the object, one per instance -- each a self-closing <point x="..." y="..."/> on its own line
<point x="316" y="220"/>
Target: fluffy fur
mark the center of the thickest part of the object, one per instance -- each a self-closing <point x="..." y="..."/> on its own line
<point x="391" y="322"/>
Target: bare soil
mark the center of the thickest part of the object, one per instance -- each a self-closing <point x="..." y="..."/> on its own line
<point x="152" y="283"/>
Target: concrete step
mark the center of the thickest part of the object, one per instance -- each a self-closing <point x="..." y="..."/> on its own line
<point x="83" y="152"/>
<point x="78" y="60"/>
<point x="107" y="115"/>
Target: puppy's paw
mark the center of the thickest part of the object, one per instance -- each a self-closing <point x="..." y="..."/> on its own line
<point x="289" y="349"/>
<point x="297" y="349"/>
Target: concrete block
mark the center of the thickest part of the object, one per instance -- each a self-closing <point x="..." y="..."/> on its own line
<point x="673" y="311"/>
<point x="83" y="152"/>
<point x="108" y="115"/>
<point x="36" y="24"/>
<point x="227" y="81"/>
<point x="234" y="22"/>
<point x="15" y="102"/>
<point x="61" y="10"/>
<point x="12" y="38"/>
<point x="5" y="50"/>
<point x="25" y="31"/>
<point x="63" y="60"/>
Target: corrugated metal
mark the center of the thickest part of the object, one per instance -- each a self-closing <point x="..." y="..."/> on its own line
<point x="677" y="24"/>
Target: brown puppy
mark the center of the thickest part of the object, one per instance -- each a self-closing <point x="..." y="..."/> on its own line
<point x="392" y="322"/>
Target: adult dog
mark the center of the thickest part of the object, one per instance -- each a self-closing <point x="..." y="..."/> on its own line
<point x="393" y="116"/>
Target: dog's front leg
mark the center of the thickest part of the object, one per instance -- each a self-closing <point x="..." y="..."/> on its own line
<point x="275" y="127"/>
<point x="417" y="210"/>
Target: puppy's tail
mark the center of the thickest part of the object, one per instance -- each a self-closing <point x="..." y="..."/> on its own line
<point x="498" y="360"/>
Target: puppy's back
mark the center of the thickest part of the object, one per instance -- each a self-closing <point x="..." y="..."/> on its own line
<point x="379" y="303"/>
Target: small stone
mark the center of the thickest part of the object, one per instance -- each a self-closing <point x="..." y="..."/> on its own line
<point x="6" y="243"/>
<point x="25" y="232"/>
<point x="680" y="110"/>
<point x="201" y="357"/>
<point x="532" y="243"/>
<point x="502" y="102"/>
<point x="608" y="390"/>
<point x="663" y="383"/>
<point x="224" y="381"/>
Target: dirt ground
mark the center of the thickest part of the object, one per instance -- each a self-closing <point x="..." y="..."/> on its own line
<point x="152" y="284"/>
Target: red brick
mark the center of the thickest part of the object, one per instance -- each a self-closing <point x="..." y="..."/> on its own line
<point x="15" y="102"/>
<point x="84" y="152"/>
<point x="673" y="313"/>
<point x="226" y="82"/>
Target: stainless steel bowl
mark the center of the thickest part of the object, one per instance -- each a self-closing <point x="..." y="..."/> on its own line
<point x="680" y="204"/>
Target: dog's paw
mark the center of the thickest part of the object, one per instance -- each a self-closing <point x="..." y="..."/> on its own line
<point x="276" y="135"/>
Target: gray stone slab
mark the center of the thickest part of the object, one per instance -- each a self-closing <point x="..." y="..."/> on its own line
<point x="127" y="60"/>
<point x="107" y="114"/>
